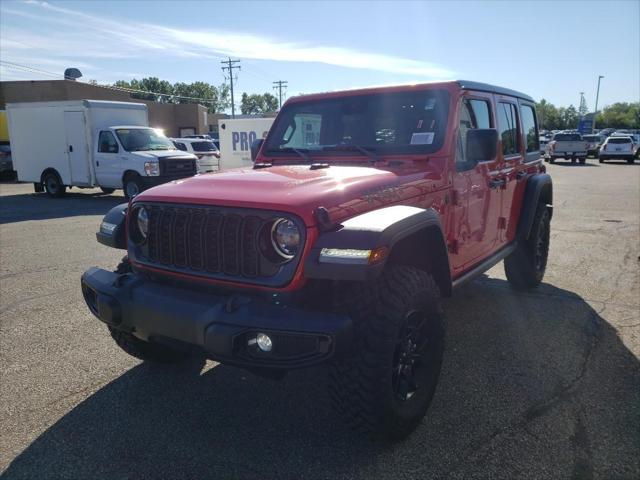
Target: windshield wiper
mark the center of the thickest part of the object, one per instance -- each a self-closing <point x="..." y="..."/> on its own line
<point x="368" y="151"/>
<point x="303" y="152"/>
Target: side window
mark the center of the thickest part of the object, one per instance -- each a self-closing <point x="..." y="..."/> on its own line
<point x="508" y="128"/>
<point x="107" y="143"/>
<point x="530" y="128"/>
<point x="474" y="114"/>
<point x="180" y="146"/>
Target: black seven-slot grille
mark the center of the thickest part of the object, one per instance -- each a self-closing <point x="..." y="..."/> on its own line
<point x="211" y="241"/>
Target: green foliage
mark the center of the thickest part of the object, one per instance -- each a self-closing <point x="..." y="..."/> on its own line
<point x="255" y="104"/>
<point x="618" y="115"/>
<point x="216" y="99"/>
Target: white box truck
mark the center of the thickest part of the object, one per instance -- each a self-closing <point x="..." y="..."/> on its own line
<point x="92" y="143"/>
<point x="236" y="137"/>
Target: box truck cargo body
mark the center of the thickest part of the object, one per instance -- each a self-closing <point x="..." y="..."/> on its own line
<point x="236" y="137"/>
<point x="92" y="143"/>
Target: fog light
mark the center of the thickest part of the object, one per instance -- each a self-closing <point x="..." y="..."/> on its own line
<point x="264" y="342"/>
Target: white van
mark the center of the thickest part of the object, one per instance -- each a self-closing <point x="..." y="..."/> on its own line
<point x="203" y="148"/>
<point x="92" y="143"/>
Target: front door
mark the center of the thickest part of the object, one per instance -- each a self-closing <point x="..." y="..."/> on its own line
<point x="108" y="161"/>
<point x="77" y="148"/>
<point x="476" y="190"/>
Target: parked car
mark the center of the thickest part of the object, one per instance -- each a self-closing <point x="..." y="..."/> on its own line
<point x="205" y="136"/>
<point x="544" y="141"/>
<point x="338" y="244"/>
<point x="617" y="148"/>
<point x="92" y="143"/>
<point x="6" y="164"/>
<point x="593" y="144"/>
<point x="568" y="146"/>
<point x="206" y="151"/>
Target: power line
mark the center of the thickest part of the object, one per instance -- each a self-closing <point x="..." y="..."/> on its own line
<point x="280" y="84"/>
<point x="230" y="68"/>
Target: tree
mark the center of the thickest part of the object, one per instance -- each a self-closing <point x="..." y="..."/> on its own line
<point x="255" y="104"/>
<point x="619" y="115"/>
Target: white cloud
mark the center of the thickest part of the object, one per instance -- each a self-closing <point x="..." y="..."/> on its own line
<point x="90" y="36"/>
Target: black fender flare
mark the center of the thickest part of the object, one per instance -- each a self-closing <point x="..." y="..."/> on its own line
<point x="112" y="227"/>
<point x="539" y="189"/>
<point x="385" y="227"/>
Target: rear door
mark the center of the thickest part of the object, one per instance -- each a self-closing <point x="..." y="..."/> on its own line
<point x="77" y="150"/>
<point x="476" y="195"/>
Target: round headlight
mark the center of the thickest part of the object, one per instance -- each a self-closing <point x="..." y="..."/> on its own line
<point x="142" y="218"/>
<point x="285" y="236"/>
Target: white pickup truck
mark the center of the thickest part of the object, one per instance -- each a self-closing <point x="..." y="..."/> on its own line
<point x="570" y="146"/>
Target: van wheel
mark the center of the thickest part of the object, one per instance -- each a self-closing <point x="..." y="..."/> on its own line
<point x="132" y="186"/>
<point x="385" y="384"/>
<point x="108" y="191"/>
<point x="526" y="265"/>
<point x="53" y="185"/>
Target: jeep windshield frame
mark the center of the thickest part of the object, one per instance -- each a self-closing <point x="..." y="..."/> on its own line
<point x="370" y="125"/>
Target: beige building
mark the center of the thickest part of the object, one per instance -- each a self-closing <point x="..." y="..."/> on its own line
<point x="175" y="119"/>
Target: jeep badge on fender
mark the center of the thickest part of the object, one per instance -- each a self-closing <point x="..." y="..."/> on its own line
<point x="363" y="209"/>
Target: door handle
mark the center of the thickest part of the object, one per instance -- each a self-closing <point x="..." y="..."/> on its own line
<point x="497" y="182"/>
<point x="70" y="148"/>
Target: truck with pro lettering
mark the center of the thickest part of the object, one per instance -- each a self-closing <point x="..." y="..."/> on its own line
<point x="359" y="212"/>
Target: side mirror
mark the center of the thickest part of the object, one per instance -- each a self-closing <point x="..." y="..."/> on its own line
<point x="256" y="145"/>
<point x="482" y="144"/>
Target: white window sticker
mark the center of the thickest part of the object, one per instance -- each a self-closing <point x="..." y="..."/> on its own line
<point x="422" y="138"/>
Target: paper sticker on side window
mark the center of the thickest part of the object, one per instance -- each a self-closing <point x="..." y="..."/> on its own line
<point x="422" y="138"/>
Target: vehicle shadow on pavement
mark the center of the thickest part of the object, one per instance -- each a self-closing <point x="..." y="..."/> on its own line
<point x="39" y="206"/>
<point x="534" y="385"/>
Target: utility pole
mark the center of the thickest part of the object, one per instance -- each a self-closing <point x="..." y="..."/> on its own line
<point x="230" y="67"/>
<point x="595" y="112"/>
<point x="279" y="85"/>
<point x="582" y="109"/>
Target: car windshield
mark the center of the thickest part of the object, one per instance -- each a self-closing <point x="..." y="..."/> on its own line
<point x="143" y="139"/>
<point x="204" y="146"/>
<point x="389" y="123"/>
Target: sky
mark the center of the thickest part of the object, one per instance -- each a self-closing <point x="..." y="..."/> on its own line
<point x="551" y="50"/>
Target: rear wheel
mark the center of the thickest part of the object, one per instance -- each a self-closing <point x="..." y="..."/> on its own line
<point x="53" y="184"/>
<point x="526" y="265"/>
<point x="132" y="186"/>
<point x="108" y="191"/>
<point x="385" y="385"/>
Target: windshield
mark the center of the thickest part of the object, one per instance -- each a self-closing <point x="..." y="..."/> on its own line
<point x="389" y="123"/>
<point x="142" y="139"/>
<point x="204" y="146"/>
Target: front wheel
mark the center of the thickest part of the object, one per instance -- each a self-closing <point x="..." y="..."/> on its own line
<point x="132" y="186"/>
<point x="526" y="265"/>
<point x="385" y="385"/>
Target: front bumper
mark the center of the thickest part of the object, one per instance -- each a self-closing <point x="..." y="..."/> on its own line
<point x="222" y="327"/>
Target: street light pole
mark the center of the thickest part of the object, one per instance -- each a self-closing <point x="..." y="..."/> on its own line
<point x="595" y="112"/>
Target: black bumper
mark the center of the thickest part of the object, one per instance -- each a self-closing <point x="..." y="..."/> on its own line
<point x="223" y="327"/>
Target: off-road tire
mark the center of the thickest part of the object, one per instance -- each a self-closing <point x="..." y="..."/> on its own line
<point x="131" y="183"/>
<point x="107" y="190"/>
<point x="362" y="383"/>
<point x="138" y="348"/>
<point x="53" y="185"/>
<point x="526" y="265"/>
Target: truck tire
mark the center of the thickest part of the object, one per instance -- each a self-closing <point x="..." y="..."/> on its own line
<point x="132" y="185"/>
<point x="107" y="190"/>
<point x="552" y="160"/>
<point x="630" y="161"/>
<point x="526" y="265"/>
<point x="53" y="185"/>
<point x="385" y="384"/>
<point x="582" y="160"/>
<point x="151" y="352"/>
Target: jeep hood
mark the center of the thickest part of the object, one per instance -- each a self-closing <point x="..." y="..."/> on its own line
<point x="298" y="189"/>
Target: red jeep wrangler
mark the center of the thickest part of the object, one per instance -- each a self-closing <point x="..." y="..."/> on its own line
<point x="363" y="208"/>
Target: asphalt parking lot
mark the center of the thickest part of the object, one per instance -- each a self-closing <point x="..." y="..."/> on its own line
<point x="538" y="385"/>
